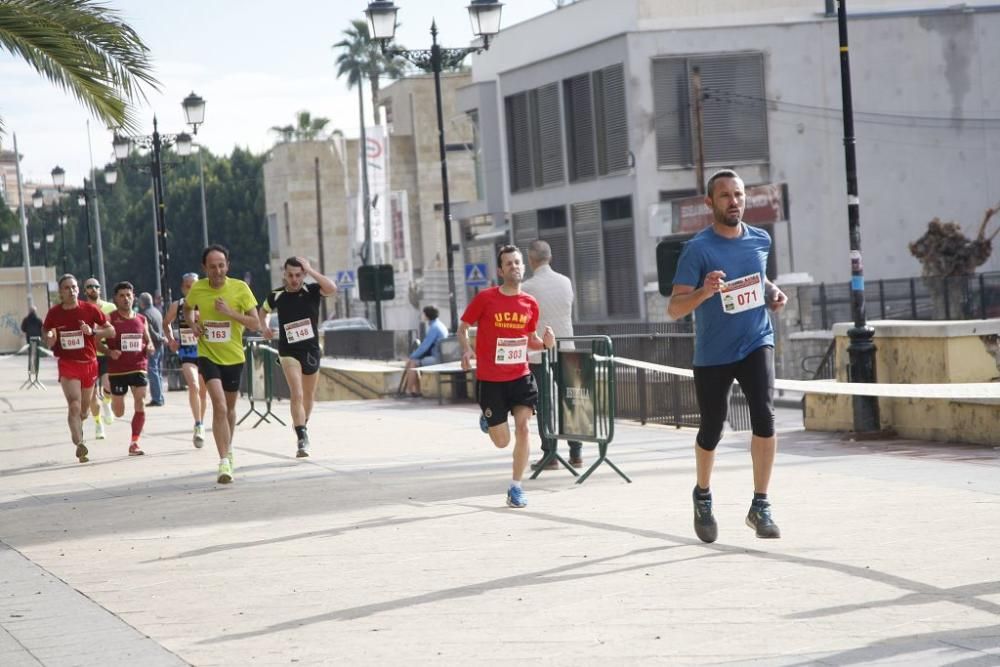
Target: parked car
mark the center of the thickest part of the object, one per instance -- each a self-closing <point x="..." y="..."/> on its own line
<point x="347" y="324"/>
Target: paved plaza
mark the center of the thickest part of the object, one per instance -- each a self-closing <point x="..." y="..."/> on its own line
<point x="392" y="545"/>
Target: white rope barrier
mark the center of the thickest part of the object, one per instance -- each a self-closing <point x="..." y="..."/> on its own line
<point x="955" y="391"/>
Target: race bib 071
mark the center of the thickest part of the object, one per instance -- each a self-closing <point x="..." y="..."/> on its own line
<point x="742" y="294"/>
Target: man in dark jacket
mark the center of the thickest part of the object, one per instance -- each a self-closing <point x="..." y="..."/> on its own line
<point x="32" y="325"/>
<point x="154" y="318"/>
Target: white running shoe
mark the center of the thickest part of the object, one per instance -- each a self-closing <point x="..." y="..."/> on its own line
<point x="107" y="416"/>
<point x="225" y="472"/>
<point x="98" y="430"/>
<point x="199" y="435"/>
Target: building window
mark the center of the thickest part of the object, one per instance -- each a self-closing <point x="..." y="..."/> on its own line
<point x="595" y="247"/>
<point x="596" y="123"/>
<point x="604" y="258"/>
<point x="734" y="114"/>
<point x="534" y="138"/>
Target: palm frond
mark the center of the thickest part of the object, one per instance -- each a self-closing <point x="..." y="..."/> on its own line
<point x="83" y="47"/>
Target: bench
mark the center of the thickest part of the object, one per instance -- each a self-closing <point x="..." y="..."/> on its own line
<point x="458" y="379"/>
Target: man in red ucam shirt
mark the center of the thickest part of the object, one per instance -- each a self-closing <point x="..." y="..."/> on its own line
<point x="71" y="330"/>
<point x="506" y="319"/>
<point x="126" y="352"/>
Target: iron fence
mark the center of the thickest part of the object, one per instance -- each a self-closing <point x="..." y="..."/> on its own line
<point x="657" y="397"/>
<point x="953" y="298"/>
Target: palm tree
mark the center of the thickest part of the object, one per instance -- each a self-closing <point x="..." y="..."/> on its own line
<point x="83" y="47"/>
<point x="285" y="133"/>
<point x="362" y="58"/>
<point x="307" y="127"/>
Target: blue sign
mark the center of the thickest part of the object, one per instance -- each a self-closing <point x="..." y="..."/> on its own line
<point x="475" y="275"/>
<point x="345" y="279"/>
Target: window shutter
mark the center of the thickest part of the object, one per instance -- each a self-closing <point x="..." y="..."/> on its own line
<point x="580" y="128"/>
<point x="619" y="258"/>
<point x="525" y="228"/>
<point x="549" y="135"/>
<point x="552" y="229"/>
<point x="734" y="115"/>
<point x="518" y="142"/>
<point x="589" y="260"/>
<point x="609" y="103"/>
<point x="672" y="107"/>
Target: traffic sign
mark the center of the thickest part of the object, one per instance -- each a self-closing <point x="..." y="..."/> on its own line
<point x="475" y="275"/>
<point x="345" y="279"/>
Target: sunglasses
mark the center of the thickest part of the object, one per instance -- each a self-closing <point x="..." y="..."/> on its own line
<point x="91" y="287"/>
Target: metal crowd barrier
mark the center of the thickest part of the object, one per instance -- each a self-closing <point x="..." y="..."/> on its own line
<point x="577" y="399"/>
<point x="34" y="357"/>
<point x="258" y="371"/>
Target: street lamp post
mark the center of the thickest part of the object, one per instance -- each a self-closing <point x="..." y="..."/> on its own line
<point x="485" y="17"/>
<point x="861" y="349"/>
<point x="83" y="201"/>
<point x="194" y="111"/>
<point x="84" y="196"/>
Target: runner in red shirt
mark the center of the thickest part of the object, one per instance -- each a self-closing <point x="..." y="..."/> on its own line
<point x="71" y="330"/>
<point x="127" y="351"/>
<point x="506" y="319"/>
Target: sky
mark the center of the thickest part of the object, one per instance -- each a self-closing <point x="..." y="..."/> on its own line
<point x="255" y="62"/>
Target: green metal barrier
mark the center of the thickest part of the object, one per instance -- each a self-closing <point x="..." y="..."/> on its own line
<point x="258" y="372"/>
<point x="34" y="356"/>
<point x="577" y="399"/>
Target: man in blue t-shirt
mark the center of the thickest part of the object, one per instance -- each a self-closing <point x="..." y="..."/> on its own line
<point x="428" y="353"/>
<point x="721" y="278"/>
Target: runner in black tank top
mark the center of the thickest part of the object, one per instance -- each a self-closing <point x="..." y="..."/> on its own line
<point x="186" y="346"/>
<point x="297" y="306"/>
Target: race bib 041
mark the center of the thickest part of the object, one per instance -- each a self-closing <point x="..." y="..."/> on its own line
<point x="299" y="330"/>
<point x="742" y="294"/>
<point x="512" y="351"/>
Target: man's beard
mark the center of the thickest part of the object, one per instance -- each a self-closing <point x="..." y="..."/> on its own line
<point x="731" y="222"/>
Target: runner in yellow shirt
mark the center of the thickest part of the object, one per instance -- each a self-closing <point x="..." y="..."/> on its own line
<point x="100" y="404"/>
<point x="218" y="309"/>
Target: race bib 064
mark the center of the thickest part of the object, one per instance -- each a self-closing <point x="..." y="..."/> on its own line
<point x="742" y="294"/>
<point x="71" y="340"/>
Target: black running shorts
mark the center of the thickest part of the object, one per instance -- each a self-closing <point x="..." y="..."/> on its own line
<point x="229" y="375"/>
<point x="121" y="383"/>
<point x="308" y="359"/>
<point x="497" y="399"/>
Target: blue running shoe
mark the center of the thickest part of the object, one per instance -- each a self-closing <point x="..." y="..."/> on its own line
<point x="515" y="497"/>
<point x="483" y="424"/>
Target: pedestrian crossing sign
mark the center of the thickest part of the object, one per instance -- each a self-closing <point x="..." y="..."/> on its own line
<point x="345" y="279"/>
<point x="475" y="275"/>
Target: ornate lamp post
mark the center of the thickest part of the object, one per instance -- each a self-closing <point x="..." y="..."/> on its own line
<point x="194" y="112"/>
<point x="861" y="349"/>
<point x="485" y="17"/>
